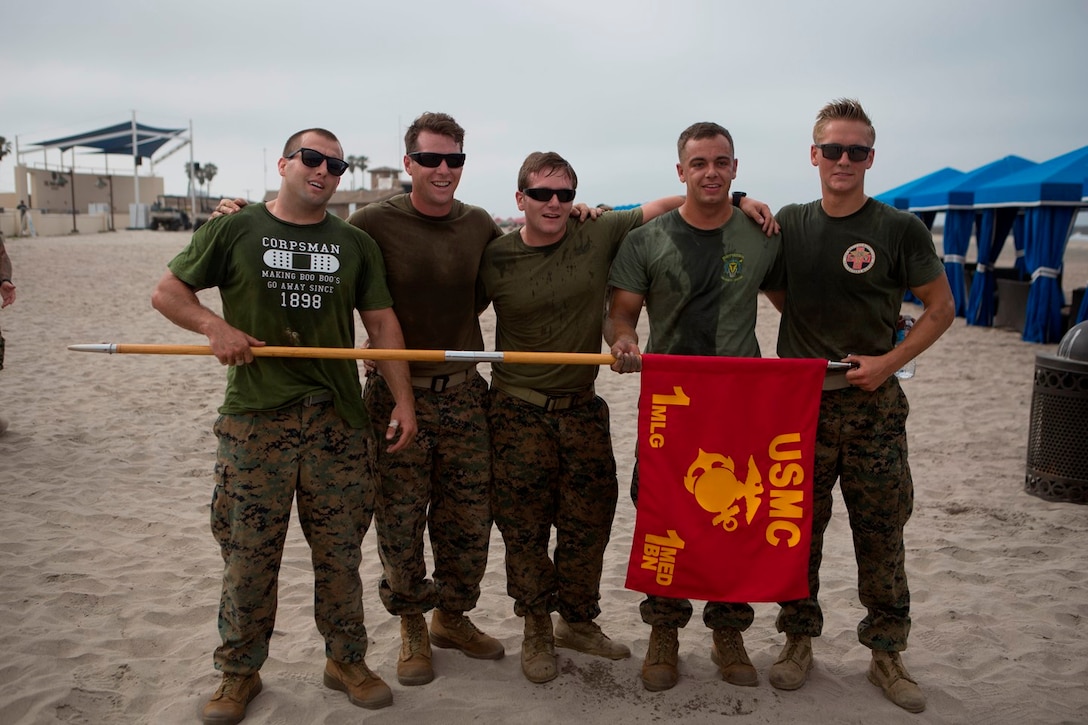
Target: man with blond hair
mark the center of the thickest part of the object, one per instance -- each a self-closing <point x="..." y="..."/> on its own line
<point x="849" y="259"/>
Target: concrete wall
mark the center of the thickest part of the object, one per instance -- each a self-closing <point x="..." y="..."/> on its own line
<point x="49" y="225"/>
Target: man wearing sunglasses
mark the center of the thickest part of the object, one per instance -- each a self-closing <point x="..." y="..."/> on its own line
<point x="698" y="270"/>
<point x="553" y="460"/>
<point x="848" y="261"/>
<point x="291" y="274"/>
<point x="432" y="244"/>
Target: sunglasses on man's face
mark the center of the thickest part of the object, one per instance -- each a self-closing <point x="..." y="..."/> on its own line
<point x="833" y="151"/>
<point x="433" y="160"/>
<point x="313" y="159"/>
<point x="545" y="194"/>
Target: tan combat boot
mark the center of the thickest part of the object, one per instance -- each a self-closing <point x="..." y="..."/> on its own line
<point x="364" y="688"/>
<point x="228" y="705"/>
<point x="538" y="649"/>
<point x="729" y="655"/>
<point x="793" y="665"/>
<point x="659" y="668"/>
<point x="453" y="630"/>
<point x="887" y="672"/>
<point x="587" y="637"/>
<point x="414" y="665"/>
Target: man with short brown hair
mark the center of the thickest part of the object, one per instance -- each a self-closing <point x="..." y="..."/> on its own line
<point x="291" y="274"/>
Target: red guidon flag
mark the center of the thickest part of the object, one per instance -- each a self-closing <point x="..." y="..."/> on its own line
<point x="725" y="451"/>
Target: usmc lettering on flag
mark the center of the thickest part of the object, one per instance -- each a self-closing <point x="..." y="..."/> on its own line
<point x="725" y="451"/>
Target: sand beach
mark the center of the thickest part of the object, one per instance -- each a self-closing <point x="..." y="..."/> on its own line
<point x="110" y="576"/>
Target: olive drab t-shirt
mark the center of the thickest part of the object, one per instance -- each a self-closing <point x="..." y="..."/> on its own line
<point x="432" y="265"/>
<point x="288" y="285"/>
<point x="701" y="286"/>
<point x="845" y="277"/>
<point x="551" y="299"/>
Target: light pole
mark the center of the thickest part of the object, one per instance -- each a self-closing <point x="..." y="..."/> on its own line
<point x="75" y="228"/>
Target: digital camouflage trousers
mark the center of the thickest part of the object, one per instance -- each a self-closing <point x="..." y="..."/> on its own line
<point x="441" y="483"/>
<point x="264" y="461"/>
<point x="861" y="442"/>
<point x="553" y="469"/>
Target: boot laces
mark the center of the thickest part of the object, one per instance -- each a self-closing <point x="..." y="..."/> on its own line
<point x="414" y="626"/>
<point x="898" y="670"/>
<point x="659" y="648"/>
<point x="231" y="684"/>
<point x="793" y="650"/>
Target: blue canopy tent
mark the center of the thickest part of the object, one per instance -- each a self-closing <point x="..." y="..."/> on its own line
<point x="955" y="196"/>
<point x="899" y="197"/>
<point x="1050" y="193"/>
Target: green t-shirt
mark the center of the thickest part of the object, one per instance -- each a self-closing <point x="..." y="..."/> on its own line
<point x="845" y="277"/>
<point x="701" y="286"/>
<point x="292" y="285"/>
<point x="432" y="264"/>
<point x="551" y="299"/>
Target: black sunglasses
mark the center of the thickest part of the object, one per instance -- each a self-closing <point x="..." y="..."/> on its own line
<point x="544" y="194"/>
<point x="833" y="151"/>
<point x="433" y="160"/>
<point x="313" y="159"/>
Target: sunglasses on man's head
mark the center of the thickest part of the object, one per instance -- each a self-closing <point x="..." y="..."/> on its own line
<point x="545" y="194"/>
<point x="433" y="160"/>
<point x="833" y="151"/>
<point x="313" y="159"/>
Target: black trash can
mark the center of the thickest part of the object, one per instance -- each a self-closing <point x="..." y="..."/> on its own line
<point x="1057" y="468"/>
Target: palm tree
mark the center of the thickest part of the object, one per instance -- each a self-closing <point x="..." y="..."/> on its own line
<point x="192" y="172"/>
<point x="356" y="163"/>
<point x="5" y="147"/>
<point x="208" y="173"/>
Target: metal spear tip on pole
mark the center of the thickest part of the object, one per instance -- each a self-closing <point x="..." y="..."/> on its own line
<point x="100" y="347"/>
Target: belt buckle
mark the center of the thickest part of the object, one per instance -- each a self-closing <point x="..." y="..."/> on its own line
<point x="436" y="387"/>
<point x="556" y="403"/>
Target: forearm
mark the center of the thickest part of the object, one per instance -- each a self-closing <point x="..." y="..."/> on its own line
<point x="385" y="333"/>
<point x="619" y="330"/>
<point x="177" y="302"/>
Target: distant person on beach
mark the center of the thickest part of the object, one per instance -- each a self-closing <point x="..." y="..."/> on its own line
<point x="26" y="221"/>
<point x="289" y="273"/>
<point x="7" y="295"/>
<point x="551" y="446"/>
<point x="848" y="262"/>
<point x="697" y="305"/>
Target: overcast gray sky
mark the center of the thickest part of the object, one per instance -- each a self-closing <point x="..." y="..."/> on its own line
<point x="609" y="84"/>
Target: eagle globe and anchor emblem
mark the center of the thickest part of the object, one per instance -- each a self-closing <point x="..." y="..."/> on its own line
<point x="712" y="478"/>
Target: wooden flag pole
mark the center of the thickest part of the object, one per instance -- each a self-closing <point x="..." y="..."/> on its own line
<point x="341" y="353"/>
<point x="348" y="353"/>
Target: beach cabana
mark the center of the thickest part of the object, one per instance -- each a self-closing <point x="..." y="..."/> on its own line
<point x="955" y="196"/>
<point x="1082" y="312"/>
<point x="899" y="197"/>
<point x="1051" y="194"/>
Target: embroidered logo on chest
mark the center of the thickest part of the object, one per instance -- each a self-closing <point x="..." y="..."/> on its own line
<point x="859" y="258"/>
